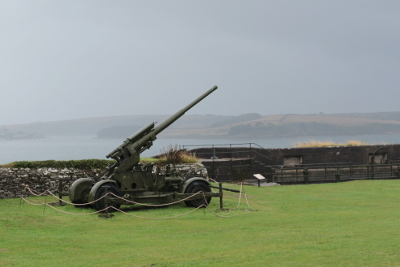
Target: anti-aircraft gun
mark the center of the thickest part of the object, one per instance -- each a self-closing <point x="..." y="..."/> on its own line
<point x="129" y="181"/>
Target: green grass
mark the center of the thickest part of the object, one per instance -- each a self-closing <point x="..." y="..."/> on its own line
<point x="344" y="224"/>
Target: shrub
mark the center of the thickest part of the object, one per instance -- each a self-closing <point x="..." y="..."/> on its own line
<point x="175" y="155"/>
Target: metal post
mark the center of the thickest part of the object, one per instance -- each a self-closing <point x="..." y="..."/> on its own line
<point x="214" y="156"/>
<point x="305" y="174"/>
<point x="213" y="165"/>
<point x="221" y="203"/>
<point x="351" y="171"/>
<point x="398" y="171"/>
<point x="372" y="169"/>
<point x="251" y="161"/>
<point x="337" y="175"/>
<point x="230" y="163"/>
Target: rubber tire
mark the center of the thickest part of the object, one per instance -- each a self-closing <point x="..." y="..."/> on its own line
<point x="81" y="189"/>
<point x="101" y="204"/>
<point x="83" y="194"/>
<point x="195" y="187"/>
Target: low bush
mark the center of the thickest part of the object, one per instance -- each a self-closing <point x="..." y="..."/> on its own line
<point x="171" y="157"/>
<point x="175" y="155"/>
<point x="85" y="164"/>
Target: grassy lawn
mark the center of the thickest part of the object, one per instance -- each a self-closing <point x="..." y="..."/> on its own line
<point x="344" y="224"/>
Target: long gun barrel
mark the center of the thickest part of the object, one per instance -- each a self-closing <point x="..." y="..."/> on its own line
<point x="180" y="113"/>
<point x="127" y="155"/>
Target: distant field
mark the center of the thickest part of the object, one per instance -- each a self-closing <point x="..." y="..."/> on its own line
<point x="343" y="224"/>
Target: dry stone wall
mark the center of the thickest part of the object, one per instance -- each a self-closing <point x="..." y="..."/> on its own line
<point x="188" y="170"/>
<point x="14" y="181"/>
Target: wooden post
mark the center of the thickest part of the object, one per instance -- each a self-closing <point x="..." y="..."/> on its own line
<point x="106" y="199"/>
<point x="60" y="194"/>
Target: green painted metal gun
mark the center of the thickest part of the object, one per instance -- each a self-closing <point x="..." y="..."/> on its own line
<point x="130" y="182"/>
<point x="127" y="155"/>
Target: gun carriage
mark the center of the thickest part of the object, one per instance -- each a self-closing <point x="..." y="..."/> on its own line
<point x="130" y="181"/>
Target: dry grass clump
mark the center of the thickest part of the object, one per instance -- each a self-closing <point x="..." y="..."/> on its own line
<point x="175" y="155"/>
<point x="315" y="143"/>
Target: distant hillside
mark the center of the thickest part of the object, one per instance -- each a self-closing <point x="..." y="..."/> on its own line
<point x="312" y="125"/>
<point x="110" y="127"/>
<point x="117" y="132"/>
<point x="395" y="115"/>
<point x="290" y="125"/>
<point x="237" y="119"/>
<point x="7" y="135"/>
<point x="251" y="125"/>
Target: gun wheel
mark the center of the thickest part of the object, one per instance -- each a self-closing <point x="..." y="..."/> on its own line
<point x="79" y="191"/>
<point x="80" y="201"/>
<point x="198" y="186"/>
<point x="103" y="202"/>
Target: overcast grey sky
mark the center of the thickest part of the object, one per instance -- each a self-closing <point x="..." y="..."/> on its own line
<point x="78" y="59"/>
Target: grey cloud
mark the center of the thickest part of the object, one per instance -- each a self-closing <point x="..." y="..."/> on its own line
<point x="75" y="59"/>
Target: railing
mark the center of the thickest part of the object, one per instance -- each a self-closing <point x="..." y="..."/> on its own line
<point x="242" y="160"/>
<point x="228" y="151"/>
<point x="334" y="173"/>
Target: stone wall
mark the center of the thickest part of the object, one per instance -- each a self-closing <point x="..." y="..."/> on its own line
<point x="13" y="181"/>
<point x="189" y="170"/>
